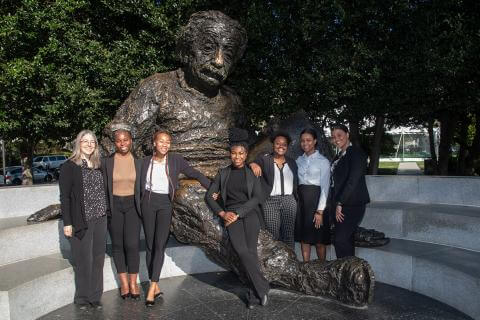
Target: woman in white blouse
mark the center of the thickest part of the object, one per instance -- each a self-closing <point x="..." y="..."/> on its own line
<point x="313" y="180"/>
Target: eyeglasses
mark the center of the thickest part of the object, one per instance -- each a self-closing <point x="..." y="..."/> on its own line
<point x="89" y="142"/>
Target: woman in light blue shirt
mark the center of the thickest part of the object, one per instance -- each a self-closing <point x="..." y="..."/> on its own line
<point x="313" y="181"/>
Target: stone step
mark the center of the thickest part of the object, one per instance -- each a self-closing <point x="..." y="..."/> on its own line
<point x="24" y="200"/>
<point x="35" y="287"/>
<point x="450" y="275"/>
<point x="451" y="225"/>
<point x="21" y="240"/>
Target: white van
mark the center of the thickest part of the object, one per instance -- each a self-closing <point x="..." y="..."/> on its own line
<point x="49" y="162"/>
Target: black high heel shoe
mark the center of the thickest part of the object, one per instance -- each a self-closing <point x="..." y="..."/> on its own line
<point x="125" y="295"/>
<point x="151" y="303"/>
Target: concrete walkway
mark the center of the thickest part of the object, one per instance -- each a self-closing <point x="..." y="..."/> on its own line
<point x="409" y="168"/>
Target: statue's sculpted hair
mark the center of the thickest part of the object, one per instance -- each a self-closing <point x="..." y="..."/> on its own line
<point x="195" y="29"/>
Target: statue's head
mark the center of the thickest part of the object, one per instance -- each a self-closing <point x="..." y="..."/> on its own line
<point x="209" y="46"/>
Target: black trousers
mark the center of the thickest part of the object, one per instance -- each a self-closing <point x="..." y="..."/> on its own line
<point x="344" y="231"/>
<point x="244" y="237"/>
<point x="124" y="227"/>
<point x="157" y="216"/>
<point x="88" y="259"/>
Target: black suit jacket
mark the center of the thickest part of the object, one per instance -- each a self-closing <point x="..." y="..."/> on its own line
<point x="107" y="170"/>
<point x="349" y="186"/>
<point x="254" y="195"/>
<point x="176" y="165"/>
<point x="71" y="197"/>
<point x="266" y="162"/>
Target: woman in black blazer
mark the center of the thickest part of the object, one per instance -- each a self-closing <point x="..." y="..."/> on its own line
<point x="241" y="193"/>
<point x="348" y="191"/>
<point x="279" y="177"/>
<point x="84" y="205"/>
<point x="121" y="173"/>
<point x="158" y="182"/>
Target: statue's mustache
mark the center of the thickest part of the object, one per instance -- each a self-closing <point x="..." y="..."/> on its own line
<point x="218" y="74"/>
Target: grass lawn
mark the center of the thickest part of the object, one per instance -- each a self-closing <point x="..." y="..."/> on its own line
<point x="388" y="168"/>
<point x="421" y="165"/>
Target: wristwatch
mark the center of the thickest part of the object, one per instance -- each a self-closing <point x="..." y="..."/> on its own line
<point x="339" y="204"/>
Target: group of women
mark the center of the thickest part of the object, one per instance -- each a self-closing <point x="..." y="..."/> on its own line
<point x="121" y="192"/>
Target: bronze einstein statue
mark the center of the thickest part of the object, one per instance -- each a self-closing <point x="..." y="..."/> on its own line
<point x="198" y="109"/>
<point x="192" y="103"/>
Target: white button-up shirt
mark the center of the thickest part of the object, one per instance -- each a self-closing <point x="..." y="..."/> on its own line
<point x="315" y="170"/>
<point x="159" y="182"/>
<point x="287" y="181"/>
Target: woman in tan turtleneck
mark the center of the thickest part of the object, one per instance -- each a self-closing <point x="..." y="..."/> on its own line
<point x="121" y="175"/>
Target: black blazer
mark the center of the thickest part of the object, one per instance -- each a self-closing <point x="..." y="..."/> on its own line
<point x="219" y="184"/>
<point x="349" y="186"/>
<point x="176" y="165"/>
<point x="71" y="197"/>
<point x="266" y="162"/>
<point x="107" y="170"/>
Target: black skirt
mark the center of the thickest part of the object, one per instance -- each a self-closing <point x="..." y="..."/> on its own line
<point x="308" y="196"/>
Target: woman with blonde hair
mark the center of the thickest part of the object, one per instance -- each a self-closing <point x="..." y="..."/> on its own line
<point x="84" y="206"/>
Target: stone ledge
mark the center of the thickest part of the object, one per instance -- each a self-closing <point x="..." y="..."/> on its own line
<point x="452" y="225"/>
<point x="35" y="287"/>
<point x="444" y="273"/>
<point x="425" y="189"/>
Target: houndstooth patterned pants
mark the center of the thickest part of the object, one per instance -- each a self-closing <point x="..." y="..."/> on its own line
<point x="279" y="213"/>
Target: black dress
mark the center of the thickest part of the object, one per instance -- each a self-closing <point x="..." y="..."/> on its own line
<point x="308" y="196"/>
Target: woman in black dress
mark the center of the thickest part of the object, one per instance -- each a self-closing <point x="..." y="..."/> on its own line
<point x="241" y="193"/>
<point x="314" y="181"/>
<point x="84" y="205"/>
<point x="348" y="190"/>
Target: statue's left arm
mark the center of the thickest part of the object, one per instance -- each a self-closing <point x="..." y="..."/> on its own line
<point x="190" y="172"/>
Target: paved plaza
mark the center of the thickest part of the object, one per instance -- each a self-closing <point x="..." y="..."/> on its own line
<point x="220" y="296"/>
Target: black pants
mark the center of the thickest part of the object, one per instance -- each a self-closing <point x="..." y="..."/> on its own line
<point x="124" y="227"/>
<point x="244" y="237"/>
<point x="88" y="259"/>
<point x="344" y="231"/>
<point x="157" y="216"/>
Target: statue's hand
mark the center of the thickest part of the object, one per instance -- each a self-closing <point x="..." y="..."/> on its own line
<point x="257" y="170"/>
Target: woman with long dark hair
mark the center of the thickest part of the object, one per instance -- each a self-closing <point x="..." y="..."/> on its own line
<point x="314" y="182"/>
<point x="121" y="172"/>
<point x="349" y="193"/>
<point x="159" y="180"/>
<point x="241" y="192"/>
<point x="84" y="205"/>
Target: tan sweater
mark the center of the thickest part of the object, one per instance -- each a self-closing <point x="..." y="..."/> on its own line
<point x="123" y="175"/>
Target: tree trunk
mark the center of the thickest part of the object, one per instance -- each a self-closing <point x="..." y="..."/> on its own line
<point x="26" y="161"/>
<point x="463" y="142"/>
<point x="474" y="150"/>
<point x="354" y="132"/>
<point x="377" y="142"/>
<point x="433" y="152"/>
<point x="447" y="129"/>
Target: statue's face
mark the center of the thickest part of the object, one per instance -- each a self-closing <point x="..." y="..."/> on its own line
<point x="212" y="56"/>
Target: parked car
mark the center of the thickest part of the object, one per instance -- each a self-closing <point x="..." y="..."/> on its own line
<point x="49" y="162"/>
<point x="14" y="175"/>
